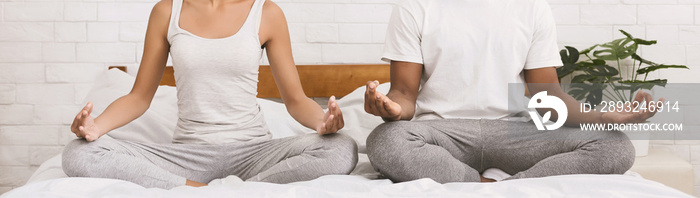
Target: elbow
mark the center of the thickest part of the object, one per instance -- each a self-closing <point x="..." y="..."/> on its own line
<point x="140" y="102"/>
<point x="294" y="101"/>
<point x="551" y="88"/>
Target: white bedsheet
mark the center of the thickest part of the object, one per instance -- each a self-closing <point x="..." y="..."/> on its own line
<point x="49" y="181"/>
<point x="358" y="186"/>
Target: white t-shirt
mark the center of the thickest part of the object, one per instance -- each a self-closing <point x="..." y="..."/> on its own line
<point x="471" y="50"/>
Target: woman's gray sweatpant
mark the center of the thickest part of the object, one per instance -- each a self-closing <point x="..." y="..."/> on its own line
<point x="166" y="166"/>
<point x="459" y="150"/>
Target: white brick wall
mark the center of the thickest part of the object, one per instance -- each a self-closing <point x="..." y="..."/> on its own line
<point x="70" y="32"/>
<point x="50" y="52"/>
<point x="18" y="31"/>
<point x="33" y="11"/>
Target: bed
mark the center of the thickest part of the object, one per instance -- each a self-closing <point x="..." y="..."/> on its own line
<point x="343" y="80"/>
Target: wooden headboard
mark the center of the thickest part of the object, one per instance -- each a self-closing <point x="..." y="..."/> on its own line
<point x="317" y="80"/>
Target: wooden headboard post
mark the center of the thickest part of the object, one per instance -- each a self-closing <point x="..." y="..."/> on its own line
<point x="123" y="68"/>
<point x="325" y="80"/>
<point x="317" y="80"/>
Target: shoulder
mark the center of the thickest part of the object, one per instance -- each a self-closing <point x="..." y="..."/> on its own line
<point x="162" y="9"/>
<point x="539" y="5"/>
<point x="415" y="9"/>
<point x="272" y="16"/>
<point x="272" y="11"/>
<point x="414" y="5"/>
<point x="272" y="22"/>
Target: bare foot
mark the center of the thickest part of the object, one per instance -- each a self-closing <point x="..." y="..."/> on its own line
<point x="197" y="184"/>
<point x="486" y="180"/>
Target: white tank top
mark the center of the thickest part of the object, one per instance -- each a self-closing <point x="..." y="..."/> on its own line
<point x="217" y="83"/>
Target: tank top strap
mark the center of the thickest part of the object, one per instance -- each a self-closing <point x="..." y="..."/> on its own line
<point x="174" y="18"/>
<point x="255" y="16"/>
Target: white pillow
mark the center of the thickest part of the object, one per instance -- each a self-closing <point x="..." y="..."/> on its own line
<point x="358" y="123"/>
<point x="156" y="125"/>
<point x="278" y="120"/>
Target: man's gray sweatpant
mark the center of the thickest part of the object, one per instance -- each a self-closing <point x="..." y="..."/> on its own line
<point x="285" y="160"/>
<point x="459" y="150"/>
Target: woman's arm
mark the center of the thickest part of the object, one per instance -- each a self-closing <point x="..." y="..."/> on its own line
<point x="274" y="36"/>
<point x="131" y="106"/>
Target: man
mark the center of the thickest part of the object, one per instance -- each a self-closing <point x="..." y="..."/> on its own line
<point x="451" y="65"/>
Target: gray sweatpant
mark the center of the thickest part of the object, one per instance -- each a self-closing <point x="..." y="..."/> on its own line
<point x="166" y="166"/>
<point x="459" y="150"/>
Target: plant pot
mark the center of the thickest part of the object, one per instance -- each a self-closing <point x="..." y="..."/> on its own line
<point x="640" y="141"/>
<point x="641" y="147"/>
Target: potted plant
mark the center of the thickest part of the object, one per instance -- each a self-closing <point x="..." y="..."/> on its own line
<point x="594" y="80"/>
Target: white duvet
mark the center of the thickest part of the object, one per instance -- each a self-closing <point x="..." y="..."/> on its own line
<point x="50" y="181"/>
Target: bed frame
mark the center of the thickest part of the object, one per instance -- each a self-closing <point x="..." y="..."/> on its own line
<point x="317" y="80"/>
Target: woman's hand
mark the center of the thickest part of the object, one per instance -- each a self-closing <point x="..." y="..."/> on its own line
<point x="379" y="104"/>
<point x="621" y="117"/>
<point x="84" y="125"/>
<point x="332" y="119"/>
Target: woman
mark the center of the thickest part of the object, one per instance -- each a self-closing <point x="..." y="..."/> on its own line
<point x="216" y="46"/>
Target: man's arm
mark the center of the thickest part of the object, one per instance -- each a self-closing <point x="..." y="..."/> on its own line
<point x="400" y="102"/>
<point x="545" y="79"/>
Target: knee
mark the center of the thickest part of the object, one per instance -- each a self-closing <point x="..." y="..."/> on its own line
<point x="77" y="156"/>
<point x="72" y="160"/>
<point x="386" y="135"/>
<point x="341" y="152"/>
<point x="387" y="145"/>
<point x="616" y="155"/>
<point x="385" y="139"/>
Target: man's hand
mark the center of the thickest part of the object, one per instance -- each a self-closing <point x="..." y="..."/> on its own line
<point x="630" y="116"/>
<point x="84" y="125"/>
<point x="332" y="120"/>
<point x="379" y="104"/>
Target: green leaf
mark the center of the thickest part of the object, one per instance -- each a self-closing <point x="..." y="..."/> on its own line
<point x="569" y="56"/>
<point x="582" y="78"/>
<point x="617" y="49"/>
<point x="566" y="70"/>
<point x="588" y="50"/>
<point x="644" y="42"/>
<point x="622" y="87"/>
<point x="579" y="90"/>
<point x="638" y="41"/>
<point x="652" y="68"/>
<point x="591" y="92"/>
<point x="573" y="54"/>
<point x="640" y="59"/>
<point x="564" y="56"/>
<point x="613" y="79"/>
<point x="656" y="82"/>
<point x="635" y="85"/>
<point x="588" y="64"/>
<point x="599" y="62"/>
<point x="601" y="70"/>
<point x="628" y="35"/>
<point x="595" y="97"/>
